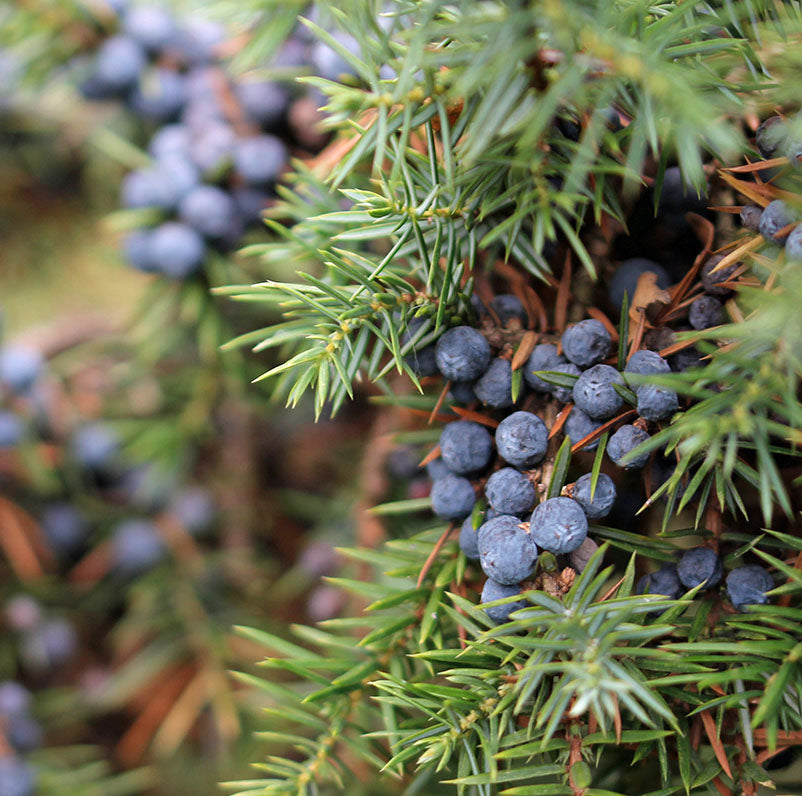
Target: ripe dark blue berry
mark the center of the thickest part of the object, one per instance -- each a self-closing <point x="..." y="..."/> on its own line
<point x="664" y="581"/>
<point x="461" y="391"/>
<point x="625" y="278"/>
<point x="793" y="244"/>
<point x="15" y="699"/>
<point x="603" y="498"/>
<point x="705" y="312"/>
<point x="11" y="429"/>
<point x="507" y="306"/>
<point x="452" y="497"/>
<point x="561" y="393"/>
<point x="469" y="539"/>
<point x="95" y="446"/>
<point x="437" y="469"/>
<point x="209" y="210"/>
<point x="263" y="101"/>
<point x="507" y="553"/>
<point x="559" y="525"/>
<point x="194" y="509"/>
<point x="579" y="425"/>
<point x="20" y="366"/>
<point x="212" y="149"/>
<point x="656" y="403"/>
<point x="259" y="160"/>
<point x="170" y="140"/>
<point x="136" y="546"/>
<point x="543" y="357"/>
<point x="118" y="64"/>
<point x="771" y="135"/>
<point x="153" y="27"/>
<point x="521" y="439"/>
<point x="494" y="387"/>
<point x="136" y="248"/>
<point x="65" y="527"/>
<point x="777" y="215"/>
<point x="176" y="249"/>
<point x="462" y="354"/>
<point x="493" y="591"/>
<point x="586" y="343"/>
<point x="465" y="447"/>
<point x="158" y="95"/>
<point x="699" y="565"/>
<point x="594" y="393"/>
<point x="645" y="362"/>
<point x="748" y="586"/>
<point x="711" y="279"/>
<point x="509" y="491"/>
<point x="50" y="645"/>
<point x="626" y="439"/>
<point x="16" y="777"/>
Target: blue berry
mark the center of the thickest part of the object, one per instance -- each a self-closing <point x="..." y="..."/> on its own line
<point x="586" y="343"/>
<point x="259" y="160"/>
<point x="263" y="101"/>
<point x="793" y="244"/>
<point x="711" y="279"/>
<point x="564" y="394"/>
<point x="748" y="586"/>
<point x="147" y="188"/>
<point x="494" y="386"/>
<point x="705" y="312"/>
<point x="771" y="135"/>
<point x="119" y="62"/>
<point x="420" y="358"/>
<point x="493" y="591"/>
<point x="170" y="140"/>
<point x="11" y="430"/>
<point x="559" y="525"/>
<point x="750" y="219"/>
<point x="209" y="210"/>
<point x="16" y="777"/>
<point x="15" y="699"/>
<point x="507" y="306"/>
<point x="603" y="498"/>
<point x="197" y="39"/>
<point x="212" y="149"/>
<point x="699" y="565"/>
<point x="23" y="612"/>
<point x="24" y="734"/>
<point x="159" y="95"/>
<point x="462" y="354"/>
<point x="664" y="581"/>
<point x="328" y="63"/>
<point x="543" y="357"/>
<point x="136" y="546"/>
<point x="522" y="439"/>
<point x="506" y="551"/>
<point x="579" y="425"/>
<point x="136" y="248"/>
<point x="777" y="215"/>
<point x="465" y="447"/>
<point x="461" y="391"/>
<point x="656" y="403"/>
<point x="251" y="203"/>
<point x="594" y="393"/>
<point x="65" y="527"/>
<point x="645" y="362"/>
<point x="194" y="509"/>
<point x="153" y="27"/>
<point x="625" y="278"/>
<point x="626" y="439"/>
<point x="437" y="469"/>
<point x="95" y="446"/>
<point x="176" y="249"/>
<point x="20" y="366"/>
<point x="469" y="539"/>
<point x="50" y="645"/>
<point x="510" y="492"/>
<point x="452" y="497"/>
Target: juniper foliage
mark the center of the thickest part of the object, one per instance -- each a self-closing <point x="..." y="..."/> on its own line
<point x="455" y="160"/>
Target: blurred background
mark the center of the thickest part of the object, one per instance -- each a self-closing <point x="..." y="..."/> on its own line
<point x="149" y="498"/>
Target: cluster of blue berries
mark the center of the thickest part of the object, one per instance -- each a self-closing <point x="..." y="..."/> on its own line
<point x="779" y="222"/>
<point x="21" y="734"/>
<point x="702" y="567"/>
<point x="493" y="483"/>
<point x="219" y="143"/>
